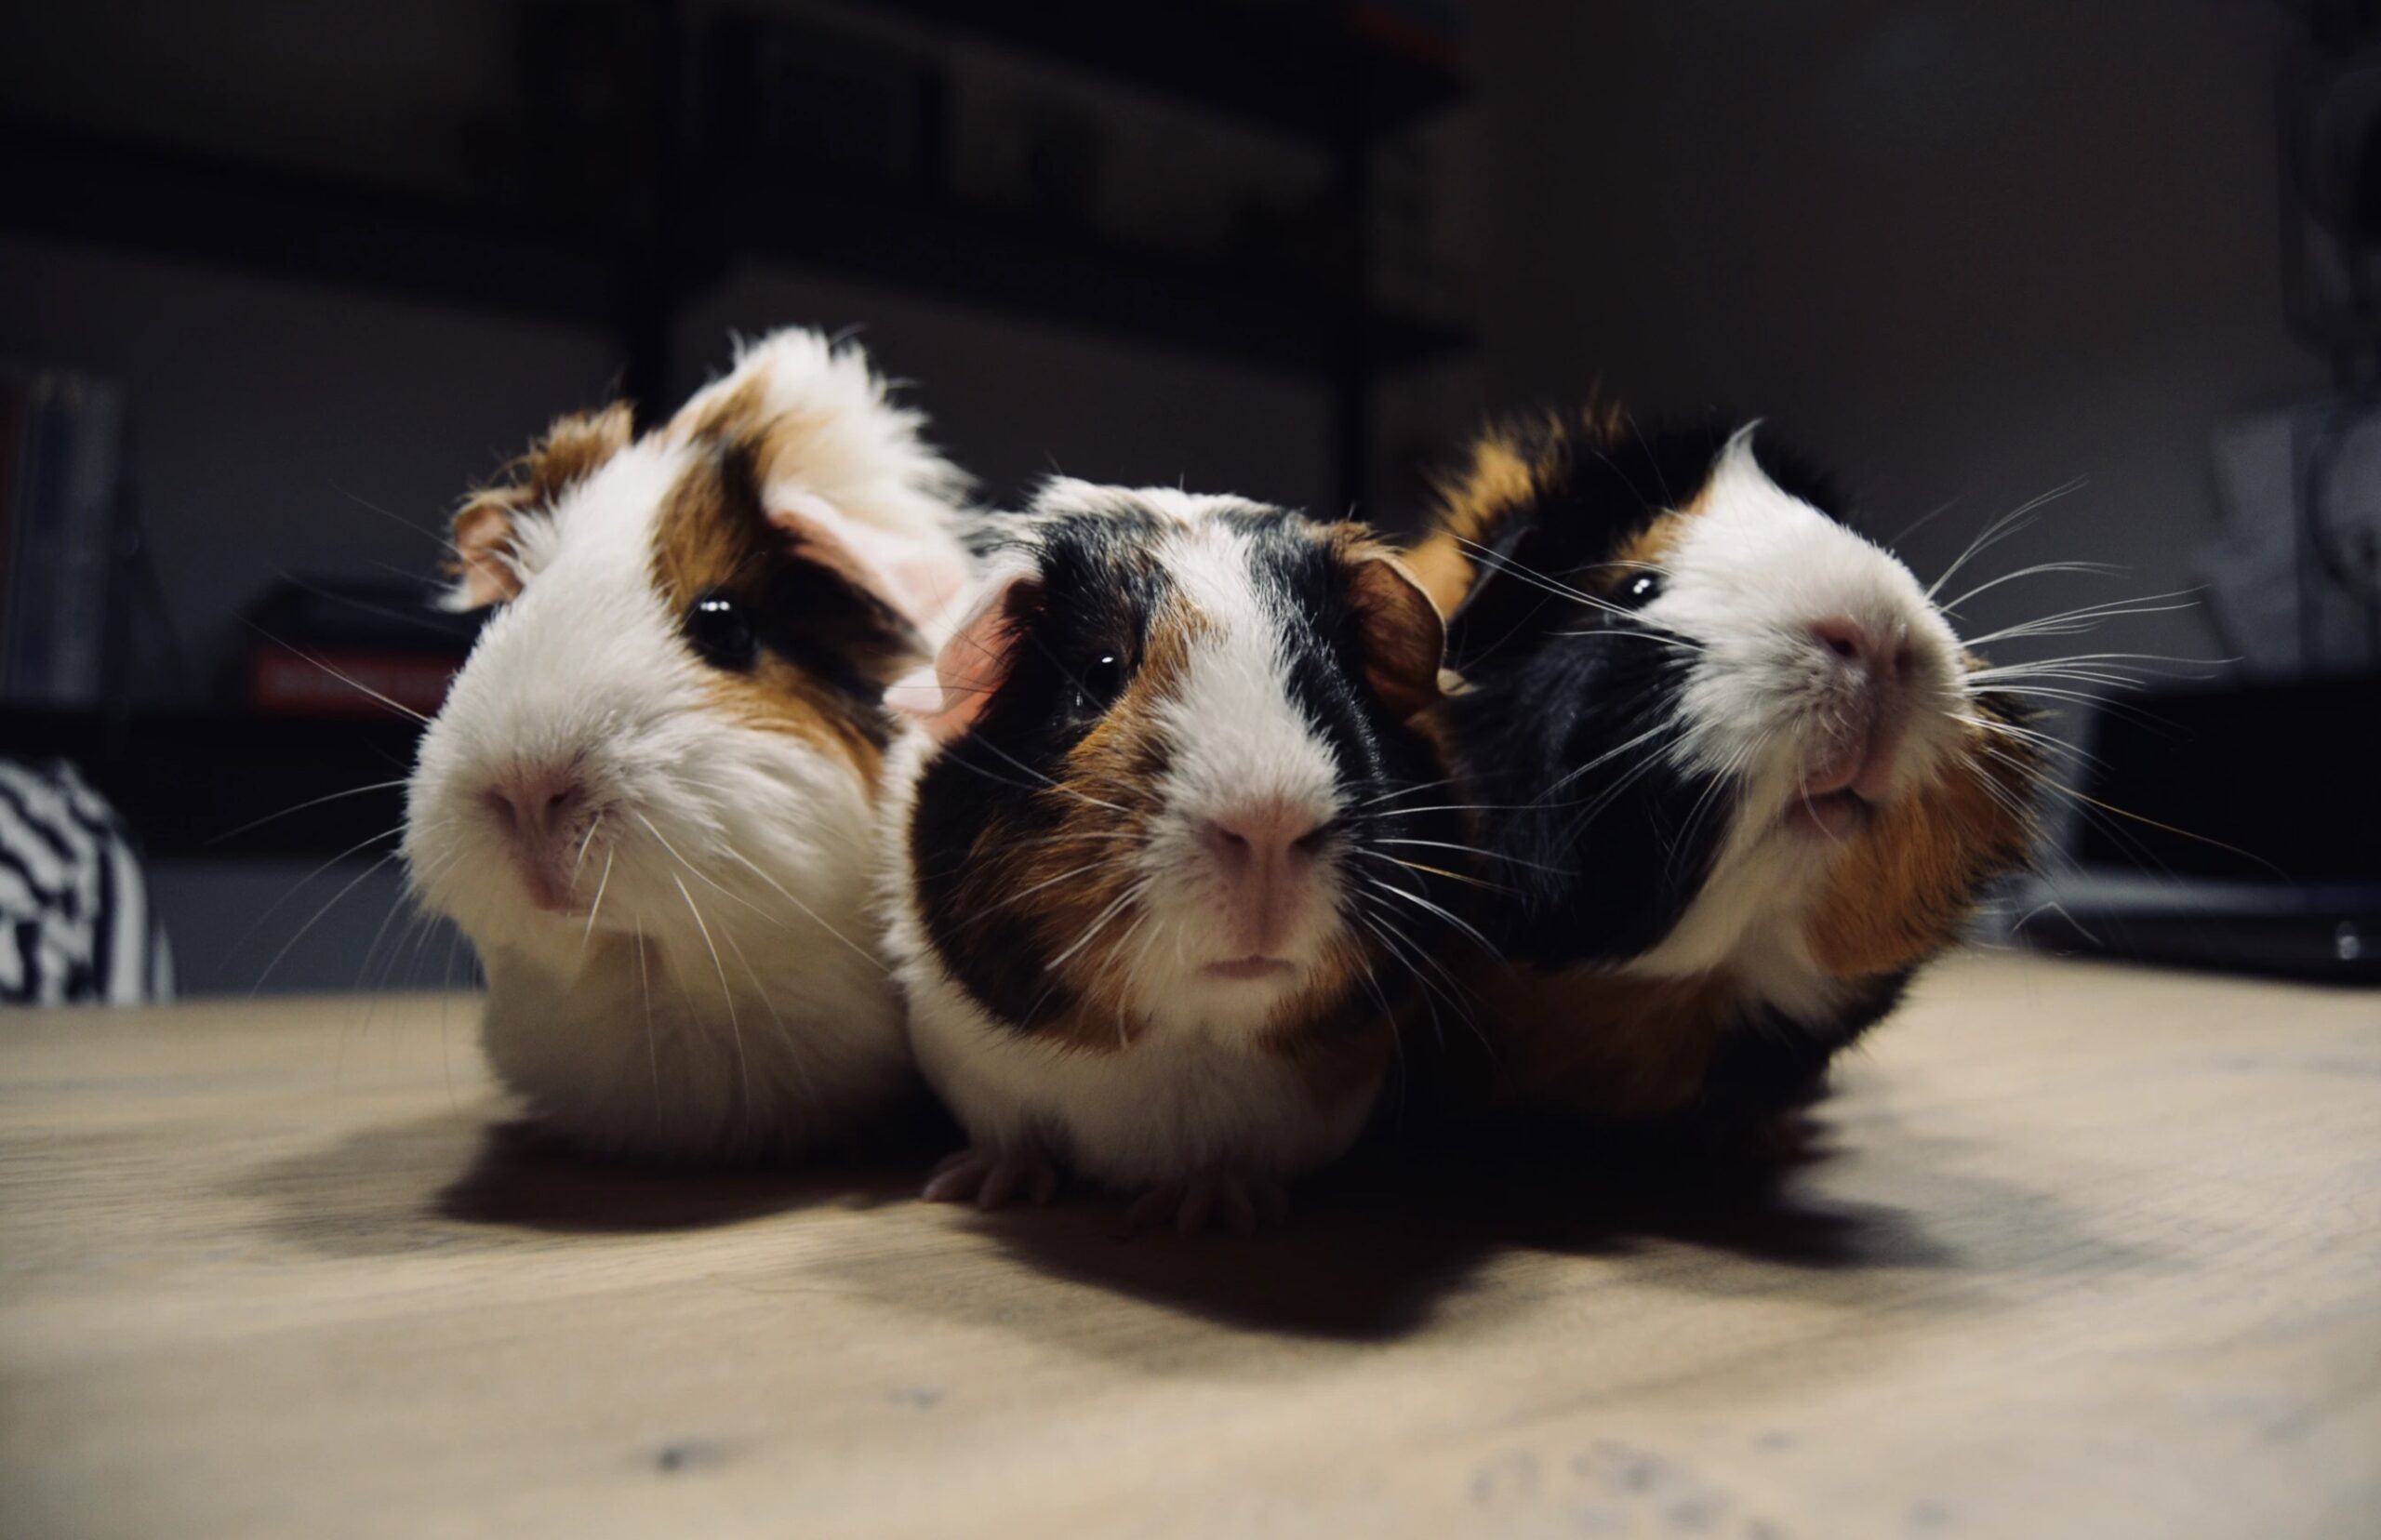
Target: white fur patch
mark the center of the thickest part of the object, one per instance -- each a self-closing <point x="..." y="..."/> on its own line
<point x="1235" y="738"/>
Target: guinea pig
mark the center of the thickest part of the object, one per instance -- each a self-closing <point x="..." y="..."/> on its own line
<point x="1152" y="891"/>
<point x="1729" y="765"/>
<point x="650" y="794"/>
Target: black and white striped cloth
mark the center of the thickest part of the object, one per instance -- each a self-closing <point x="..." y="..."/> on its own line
<point x="75" y="926"/>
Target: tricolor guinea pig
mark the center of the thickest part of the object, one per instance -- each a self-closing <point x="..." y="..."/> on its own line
<point x="649" y="796"/>
<point x="1729" y="766"/>
<point x="1154" y="891"/>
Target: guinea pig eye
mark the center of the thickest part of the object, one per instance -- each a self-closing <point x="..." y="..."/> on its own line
<point x="720" y="632"/>
<point x="1100" y="681"/>
<point x="1643" y="588"/>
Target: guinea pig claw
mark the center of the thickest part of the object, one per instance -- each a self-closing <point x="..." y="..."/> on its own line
<point x="1245" y="1204"/>
<point x="989" y="1179"/>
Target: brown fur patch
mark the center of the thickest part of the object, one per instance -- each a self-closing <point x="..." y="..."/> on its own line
<point x="1603" y="1044"/>
<point x="1340" y="1052"/>
<point x="1650" y="547"/>
<point x="1508" y="470"/>
<point x="1118" y="763"/>
<point x="1404" y="630"/>
<point x="574" y="448"/>
<point x="1911" y="881"/>
<point x="714" y="536"/>
<point x="722" y="416"/>
<point x="1472" y="506"/>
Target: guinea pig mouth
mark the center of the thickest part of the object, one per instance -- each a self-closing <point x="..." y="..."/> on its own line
<point x="1250" y="968"/>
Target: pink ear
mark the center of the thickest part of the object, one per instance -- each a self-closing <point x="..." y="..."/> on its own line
<point x="917" y="578"/>
<point x="947" y="699"/>
<point x="482" y="565"/>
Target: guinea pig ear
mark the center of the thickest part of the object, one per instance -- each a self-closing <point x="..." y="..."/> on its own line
<point x="1404" y="640"/>
<point x="482" y="562"/>
<point x="948" y="694"/>
<point x="917" y="579"/>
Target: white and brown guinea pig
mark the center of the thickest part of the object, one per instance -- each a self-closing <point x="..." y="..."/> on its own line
<point x="649" y="797"/>
<point x="1731" y="771"/>
<point x="1152" y="893"/>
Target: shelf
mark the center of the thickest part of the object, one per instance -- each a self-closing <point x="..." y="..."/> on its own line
<point x="290" y="224"/>
<point x="1008" y="263"/>
<point x="1316" y="70"/>
<point x="186" y="784"/>
<point x="451" y="251"/>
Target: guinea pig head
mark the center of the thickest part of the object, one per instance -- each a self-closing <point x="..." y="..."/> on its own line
<point x="671" y="724"/>
<point x="1171" y="791"/>
<point x="1750" y="728"/>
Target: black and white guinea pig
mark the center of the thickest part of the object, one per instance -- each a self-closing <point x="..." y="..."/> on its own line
<point x="1152" y="889"/>
<point x="1731" y="771"/>
<point x="649" y="797"/>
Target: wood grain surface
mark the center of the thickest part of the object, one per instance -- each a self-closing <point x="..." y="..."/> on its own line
<point x="2080" y="1251"/>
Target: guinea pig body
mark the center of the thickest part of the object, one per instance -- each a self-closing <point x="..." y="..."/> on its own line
<point x="649" y="797"/>
<point x="1147" y="873"/>
<point x="1732" y="770"/>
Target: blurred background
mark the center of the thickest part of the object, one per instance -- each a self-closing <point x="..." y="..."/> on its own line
<point x="279" y="279"/>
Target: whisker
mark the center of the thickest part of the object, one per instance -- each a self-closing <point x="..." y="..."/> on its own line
<point x="353" y="884"/>
<point x="597" y="906"/>
<point x="312" y="802"/>
<point x="726" y="996"/>
<point x="816" y="917"/>
<point x="1999" y="530"/>
<point x="2040" y="569"/>
<point x="356" y="685"/>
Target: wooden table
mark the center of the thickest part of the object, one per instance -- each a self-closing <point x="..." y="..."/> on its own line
<point x="2094" y="1252"/>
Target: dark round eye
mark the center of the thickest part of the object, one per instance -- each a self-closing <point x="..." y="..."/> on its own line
<point x="1642" y="588"/>
<point x="1099" y="682"/>
<point x="720" y="632"/>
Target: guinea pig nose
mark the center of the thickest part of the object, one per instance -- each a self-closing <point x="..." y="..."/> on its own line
<point x="1260" y="832"/>
<point x="1856" y="643"/>
<point x="536" y="804"/>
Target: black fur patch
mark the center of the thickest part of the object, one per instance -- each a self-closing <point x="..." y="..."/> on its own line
<point x="1097" y="588"/>
<point x="809" y="614"/>
<point x="1773" y="1062"/>
<point x="1604" y="842"/>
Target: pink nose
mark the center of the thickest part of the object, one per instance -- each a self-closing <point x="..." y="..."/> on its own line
<point x="1875" y="665"/>
<point x="1857" y="643"/>
<point x="537" y="805"/>
<point x="1260" y="833"/>
<point x="1262" y="850"/>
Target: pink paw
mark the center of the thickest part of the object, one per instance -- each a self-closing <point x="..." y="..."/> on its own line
<point x="1245" y="1204"/>
<point x="990" y="1178"/>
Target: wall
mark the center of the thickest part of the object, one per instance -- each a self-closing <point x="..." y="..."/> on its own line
<point x="1968" y="252"/>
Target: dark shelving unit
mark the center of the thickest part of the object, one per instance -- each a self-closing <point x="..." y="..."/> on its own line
<point x="1330" y="75"/>
<point x="1313" y="73"/>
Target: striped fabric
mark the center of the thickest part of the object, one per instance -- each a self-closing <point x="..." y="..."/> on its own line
<point x="76" y="925"/>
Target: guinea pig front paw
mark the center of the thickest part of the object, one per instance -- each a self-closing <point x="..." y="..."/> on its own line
<point x="1245" y="1203"/>
<point x="989" y="1178"/>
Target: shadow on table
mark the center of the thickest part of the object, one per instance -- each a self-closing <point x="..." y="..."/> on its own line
<point x="1378" y="1246"/>
<point x="458" y="1181"/>
<point x="524" y="1177"/>
<point x="1381" y="1240"/>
